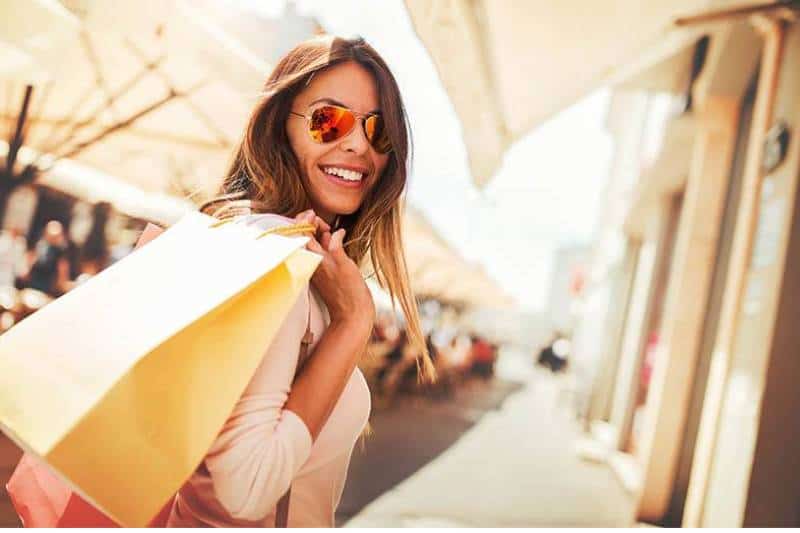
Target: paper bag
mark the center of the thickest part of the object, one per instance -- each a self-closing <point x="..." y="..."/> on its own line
<point x="42" y="499"/>
<point x="122" y="384"/>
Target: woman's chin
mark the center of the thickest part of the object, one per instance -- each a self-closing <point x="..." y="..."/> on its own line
<point x="343" y="207"/>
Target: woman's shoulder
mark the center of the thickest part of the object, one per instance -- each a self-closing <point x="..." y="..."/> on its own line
<point x="265" y="221"/>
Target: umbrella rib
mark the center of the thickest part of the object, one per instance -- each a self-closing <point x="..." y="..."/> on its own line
<point x="7" y="115"/>
<point x="73" y="112"/>
<point x="222" y="138"/>
<point x="155" y="135"/>
<point x="40" y="104"/>
<point x="17" y="139"/>
<point x="77" y="126"/>
<point x="100" y="79"/>
<point x="128" y="121"/>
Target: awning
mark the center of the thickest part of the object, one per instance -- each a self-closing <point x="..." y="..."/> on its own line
<point x="508" y="66"/>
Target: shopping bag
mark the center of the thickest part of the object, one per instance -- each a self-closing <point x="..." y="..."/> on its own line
<point x="42" y="499"/>
<point x="122" y="384"/>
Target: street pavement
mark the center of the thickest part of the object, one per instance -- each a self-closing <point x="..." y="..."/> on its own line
<point x="513" y="466"/>
<point x="411" y="433"/>
<point x="496" y="453"/>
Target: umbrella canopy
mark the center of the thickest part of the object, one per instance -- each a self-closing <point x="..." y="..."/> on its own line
<point x="438" y="271"/>
<point x="510" y="65"/>
<point x="152" y="91"/>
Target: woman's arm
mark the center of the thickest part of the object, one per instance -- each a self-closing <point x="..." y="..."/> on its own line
<point x="268" y="436"/>
<point x="262" y="445"/>
<point x="319" y="384"/>
<point x="338" y="280"/>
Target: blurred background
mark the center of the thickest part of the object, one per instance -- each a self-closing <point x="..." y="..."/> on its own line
<point x="602" y="229"/>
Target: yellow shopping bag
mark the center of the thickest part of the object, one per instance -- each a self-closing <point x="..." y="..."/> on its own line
<point x="122" y="384"/>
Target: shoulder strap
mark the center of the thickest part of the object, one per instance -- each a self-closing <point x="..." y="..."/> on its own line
<point x="282" y="510"/>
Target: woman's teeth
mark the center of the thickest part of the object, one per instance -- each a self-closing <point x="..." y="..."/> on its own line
<point x="349" y="175"/>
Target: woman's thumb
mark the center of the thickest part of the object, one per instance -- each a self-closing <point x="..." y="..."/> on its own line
<point x="337" y="241"/>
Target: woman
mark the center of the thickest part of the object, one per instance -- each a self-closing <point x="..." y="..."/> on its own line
<point x="326" y="144"/>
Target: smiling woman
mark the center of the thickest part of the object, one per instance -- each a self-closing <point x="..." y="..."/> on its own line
<point x="339" y="162"/>
<point x="327" y="144"/>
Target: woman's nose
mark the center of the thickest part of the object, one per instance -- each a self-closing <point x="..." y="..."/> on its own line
<point x="356" y="141"/>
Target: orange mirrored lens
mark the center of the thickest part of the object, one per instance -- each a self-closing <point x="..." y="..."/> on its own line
<point x="329" y="123"/>
<point x="376" y="133"/>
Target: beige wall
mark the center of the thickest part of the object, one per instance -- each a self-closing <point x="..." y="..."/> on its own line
<point x="688" y="287"/>
<point x="753" y="479"/>
<point x="716" y="116"/>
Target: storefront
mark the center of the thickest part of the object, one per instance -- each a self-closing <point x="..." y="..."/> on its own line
<point x="701" y="422"/>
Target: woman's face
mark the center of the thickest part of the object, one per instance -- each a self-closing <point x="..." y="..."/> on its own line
<point x="352" y="86"/>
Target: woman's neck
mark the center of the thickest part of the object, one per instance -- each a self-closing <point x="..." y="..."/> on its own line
<point x="327" y="216"/>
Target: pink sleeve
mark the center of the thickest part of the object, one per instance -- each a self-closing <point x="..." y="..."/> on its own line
<point x="262" y="445"/>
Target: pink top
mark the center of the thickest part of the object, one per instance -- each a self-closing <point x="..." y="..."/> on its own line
<point x="263" y="448"/>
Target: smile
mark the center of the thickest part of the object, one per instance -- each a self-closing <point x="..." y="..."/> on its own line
<point x="344" y="177"/>
<point x="349" y="175"/>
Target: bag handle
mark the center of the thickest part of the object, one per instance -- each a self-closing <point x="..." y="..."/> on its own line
<point x="302" y="228"/>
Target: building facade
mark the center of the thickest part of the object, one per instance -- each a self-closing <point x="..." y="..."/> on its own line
<point x="693" y="402"/>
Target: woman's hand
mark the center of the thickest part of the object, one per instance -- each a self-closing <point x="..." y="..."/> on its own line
<point x="338" y="278"/>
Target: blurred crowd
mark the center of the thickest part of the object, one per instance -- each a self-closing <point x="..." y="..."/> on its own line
<point x="391" y="364"/>
<point x="34" y="273"/>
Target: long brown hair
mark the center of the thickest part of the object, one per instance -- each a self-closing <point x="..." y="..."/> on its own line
<point x="265" y="176"/>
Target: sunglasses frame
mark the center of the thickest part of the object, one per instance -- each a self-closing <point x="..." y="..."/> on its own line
<point x="362" y="116"/>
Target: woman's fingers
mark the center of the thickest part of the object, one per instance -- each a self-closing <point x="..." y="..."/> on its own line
<point x="336" y="245"/>
<point x="315" y="247"/>
<point x="321" y="225"/>
<point x="306" y="216"/>
<point x="325" y="240"/>
<point x="310" y="217"/>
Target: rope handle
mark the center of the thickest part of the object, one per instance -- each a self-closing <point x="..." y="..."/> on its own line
<point x="304" y="228"/>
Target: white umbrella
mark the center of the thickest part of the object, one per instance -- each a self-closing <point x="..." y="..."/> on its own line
<point x="153" y="92"/>
<point x="436" y="270"/>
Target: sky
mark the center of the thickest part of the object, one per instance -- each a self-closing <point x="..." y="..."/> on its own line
<point x="544" y="196"/>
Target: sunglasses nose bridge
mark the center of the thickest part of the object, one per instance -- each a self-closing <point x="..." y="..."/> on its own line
<point x="364" y="142"/>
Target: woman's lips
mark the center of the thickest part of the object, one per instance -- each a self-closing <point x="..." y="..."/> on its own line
<point x="343" y="182"/>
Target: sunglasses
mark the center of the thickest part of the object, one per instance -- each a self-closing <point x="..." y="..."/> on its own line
<point x="330" y="123"/>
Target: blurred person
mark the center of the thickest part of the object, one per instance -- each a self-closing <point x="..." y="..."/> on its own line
<point x="95" y="254"/>
<point x="553" y="356"/>
<point x="483" y="356"/>
<point x="122" y="243"/>
<point x="12" y="256"/>
<point x="327" y="144"/>
<point x="452" y="360"/>
<point x="48" y="264"/>
<point x="386" y="329"/>
<point x="461" y="350"/>
<point x="386" y="336"/>
<point x="387" y="377"/>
